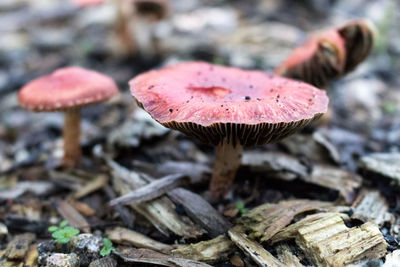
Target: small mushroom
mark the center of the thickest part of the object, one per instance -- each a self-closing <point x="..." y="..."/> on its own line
<point x="67" y="89"/>
<point x="359" y="39"/>
<point x="135" y="24"/>
<point x="329" y="54"/>
<point x="227" y="107"/>
<point x="320" y="59"/>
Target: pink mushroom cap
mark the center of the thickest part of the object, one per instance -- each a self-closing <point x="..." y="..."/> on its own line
<point x="66" y="88"/>
<point x="213" y="102"/>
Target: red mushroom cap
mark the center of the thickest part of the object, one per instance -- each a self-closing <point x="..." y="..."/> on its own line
<point x="66" y="88"/>
<point x="322" y="57"/>
<point x="214" y="102"/>
<point x="87" y="3"/>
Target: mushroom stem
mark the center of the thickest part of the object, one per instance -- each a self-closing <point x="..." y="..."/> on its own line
<point x="227" y="162"/>
<point x="72" y="148"/>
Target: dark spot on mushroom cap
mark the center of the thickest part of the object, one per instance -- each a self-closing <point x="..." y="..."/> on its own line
<point x="278" y="96"/>
<point x="151" y="86"/>
<point x="247" y="97"/>
<point x="170" y="110"/>
<point x="251" y="86"/>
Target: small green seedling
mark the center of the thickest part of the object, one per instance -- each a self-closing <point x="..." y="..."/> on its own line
<point x="107" y="247"/>
<point x="63" y="232"/>
<point x="240" y="206"/>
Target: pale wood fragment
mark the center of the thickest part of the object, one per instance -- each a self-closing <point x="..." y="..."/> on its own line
<point x="152" y="257"/>
<point x="209" y="251"/>
<point x="19" y="246"/>
<point x="372" y="206"/>
<point x="291" y="231"/>
<point x="253" y="249"/>
<point x="124" y="235"/>
<point x="160" y="212"/>
<point x="266" y="220"/>
<point x="327" y="241"/>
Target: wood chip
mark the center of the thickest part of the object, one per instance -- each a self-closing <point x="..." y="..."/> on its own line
<point x="18" y="247"/>
<point x="31" y="256"/>
<point x="276" y="164"/>
<point x="73" y="217"/>
<point x="104" y="262"/>
<point x="200" y="211"/>
<point x="346" y="183"/>
<point x="124" y="235"/>
<point x="329" y="242"/>
<point x="148" y="256"/>
<point x="385" y="164"/>
<point x="198" y="173"/>
<point x="254" y="250"/>
<point x="286" y="167"/>
<point x="151" y="191"/>
<point x="291" y="231"/>
<point x="372" y="206"/>
<point x="160" y="212"/>
<point x="38" y="188"/>
<point x="212" y="250"/>
<point x="97" y="183"/>
<point x="266" y="220"/>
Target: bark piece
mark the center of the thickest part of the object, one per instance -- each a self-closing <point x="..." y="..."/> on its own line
<point x="209" y="251"/>
<point x="287" y="167"/>
<point x="276" y="164"/>
<point x="150" y="191"/>
<point x="266" y="220"/>
<point x="337" y="179"/>
<point x="255" y="251"/>
<point x="160" y="212"/>
<point x="327" y="241"/>
<point x="73" y="217"/>
<point x="385" y="164"/>
<point x="104" y="262"/>
<point x="148" y="256"/>
<point x="38" y="188"/>
<point x="19" y="246"/>
<point x="372" y="206"/>
<point x="121" y="235"/>
<point x="200" y="211"/>
<point x="198" y="173"/>
<point x="31" y="257"/>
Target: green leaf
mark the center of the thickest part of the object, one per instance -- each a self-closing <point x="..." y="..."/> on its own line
<point x="71" y="231"/>
<point x="63" y="224"/>
<point x="240" y="206"/>
<point x="63" y="240"/>
<point x="107" y="247"/>
<point x="58" y="234"/>
<point x="52" y="228"/>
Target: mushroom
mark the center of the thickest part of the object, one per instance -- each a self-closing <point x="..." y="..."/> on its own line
<point x="359" y="39"/>
<point x="320" y="59"/>
<point x="135" y="24"/>
<point x="67" y="89"/>
<point x="227" y="107"/>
